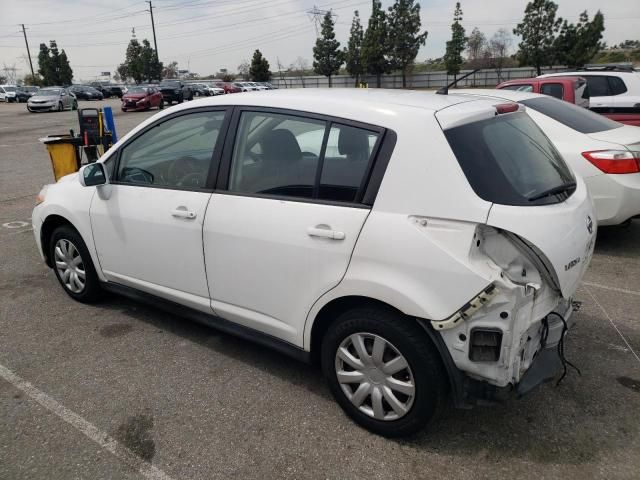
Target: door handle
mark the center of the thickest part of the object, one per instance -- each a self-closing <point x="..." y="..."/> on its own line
<point x="325" y="233"/>
<point x="182" y="212"/>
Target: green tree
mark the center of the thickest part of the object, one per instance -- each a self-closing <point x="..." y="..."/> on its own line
<point x="44" y="65"/>
<point x="327" y="56"/>
<point x="576" y="45"/>
<point x="404" y="37"/>
<point x="453" y="55"/>
<point x="538" y="29"/>
<point x="64" y="69"/>
<point x="353" y="52"/>
<point x="259" y="69"/>
<point x="53" y="65"/>
<point x="151" y="67"/>
<point x="133" y="65"/>
<point x="375" y="54"/>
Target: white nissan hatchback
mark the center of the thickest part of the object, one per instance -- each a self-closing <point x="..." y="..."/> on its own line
<point x="416" y="246"/>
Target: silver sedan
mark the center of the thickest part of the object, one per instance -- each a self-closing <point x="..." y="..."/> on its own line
<point x="52" y="99"/>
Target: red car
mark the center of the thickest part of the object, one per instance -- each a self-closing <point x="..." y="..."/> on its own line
<point x="142" y="98"/>
<point x="571" y="89"/>
<point x="228" y="87"/>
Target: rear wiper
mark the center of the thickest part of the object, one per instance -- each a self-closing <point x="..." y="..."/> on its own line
<point x="554" y="191"/>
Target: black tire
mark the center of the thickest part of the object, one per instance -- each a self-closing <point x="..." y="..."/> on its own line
<point x="429" y="377"/>
<point x="60" y="107"/>
<point x="161" y="106"/>
<point x="74" y="105"/>
<point x="91" y="291"/>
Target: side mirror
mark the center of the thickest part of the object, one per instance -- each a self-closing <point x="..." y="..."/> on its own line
<point x="92" y="175"/>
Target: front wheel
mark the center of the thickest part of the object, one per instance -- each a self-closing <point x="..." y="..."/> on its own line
<point x="161" y="105"/>
<point x="60" y="106"/>
<point x="74" y="105"/>
<point x="73" y="266"/>
<point x="384" y="371"/>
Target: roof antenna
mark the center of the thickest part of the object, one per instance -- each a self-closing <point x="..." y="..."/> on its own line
<point x="445" y="90"/>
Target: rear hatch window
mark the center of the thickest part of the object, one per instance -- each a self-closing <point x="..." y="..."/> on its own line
<point x="577" y="118"/>
<point x="508" y="160"/>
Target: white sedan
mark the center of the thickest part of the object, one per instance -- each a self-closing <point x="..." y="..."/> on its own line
<point x="416" y="246"/>
<point x="603" y="152"/>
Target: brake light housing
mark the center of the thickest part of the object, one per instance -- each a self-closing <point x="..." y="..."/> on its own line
<point x="614" y="161"/>
<point x="506" y="108"/>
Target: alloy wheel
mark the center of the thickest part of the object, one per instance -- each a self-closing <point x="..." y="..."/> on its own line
<point x="375" y="376"/>
<point x="70" y="266"/>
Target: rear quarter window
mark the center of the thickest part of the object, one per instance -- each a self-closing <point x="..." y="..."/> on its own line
<point x="577" y="118"/>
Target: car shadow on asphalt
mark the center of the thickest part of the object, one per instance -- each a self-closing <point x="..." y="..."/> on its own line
<point x="257" y="356"/>
<point x="619" y="241"/>
<point x="572" y="423"/>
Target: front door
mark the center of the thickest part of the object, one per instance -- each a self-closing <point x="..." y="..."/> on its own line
<point x="148" y="232"/>
<point x="282" y="232"/>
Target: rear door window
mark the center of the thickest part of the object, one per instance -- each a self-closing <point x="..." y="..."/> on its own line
<point x="294" y="156"/>
<point x="553" y="90"/>
<point x="508" y="160"/>
<point x="598" y="86"/>
<point x="577" y="118"/>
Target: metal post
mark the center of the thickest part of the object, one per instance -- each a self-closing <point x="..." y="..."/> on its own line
<point x="153" y="27"/>
<point x="24" y="32"/>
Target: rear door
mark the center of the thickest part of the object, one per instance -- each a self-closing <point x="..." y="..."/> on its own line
<point x="280" y="229"/>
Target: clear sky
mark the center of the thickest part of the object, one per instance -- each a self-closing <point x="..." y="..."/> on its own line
<point x="206" y="35"/>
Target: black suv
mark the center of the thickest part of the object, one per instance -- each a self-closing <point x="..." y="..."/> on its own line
<point x="175" y="91"/>
<point x="107" y="89"/>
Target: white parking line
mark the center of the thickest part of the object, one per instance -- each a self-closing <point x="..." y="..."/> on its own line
<point x="146" y="469"/>
<point x="613" y="324"/>
<point x="613" y="289"/>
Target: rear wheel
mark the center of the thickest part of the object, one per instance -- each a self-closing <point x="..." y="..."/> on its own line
<point x="60" y="106"/>
<point x="384" y="371"/>
<point x="73" y="266"/>
<point x="161" y="106"/>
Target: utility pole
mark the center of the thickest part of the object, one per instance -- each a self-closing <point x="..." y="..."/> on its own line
<point x="24" y="32"/>
<point x="153" y="27"/>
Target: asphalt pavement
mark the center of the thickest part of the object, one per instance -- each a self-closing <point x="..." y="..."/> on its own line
<point x="121" y="390"/>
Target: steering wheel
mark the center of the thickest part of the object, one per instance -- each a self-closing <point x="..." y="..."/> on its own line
<point x="181" y="169"/>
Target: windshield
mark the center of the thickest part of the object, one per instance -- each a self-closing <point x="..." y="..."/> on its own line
<point x="169" y="83"/>
<point x="137" y="90"/>
<point x="47" y="92"/>
<point x="508" y="160"/>
<point x="9" y="89"/>
<point x="577" y="118"/>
